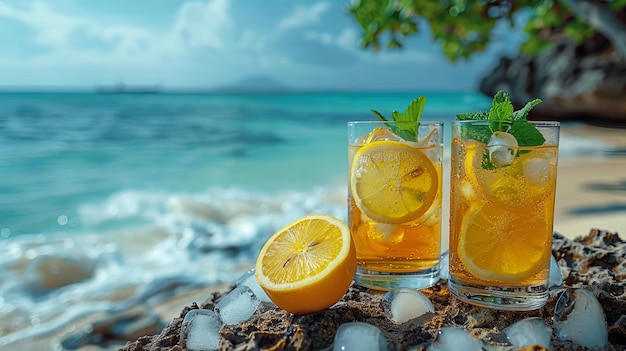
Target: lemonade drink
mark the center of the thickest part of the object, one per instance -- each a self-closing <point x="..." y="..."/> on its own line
<point x="501" y="216"/>
<point x="394" y="204"/>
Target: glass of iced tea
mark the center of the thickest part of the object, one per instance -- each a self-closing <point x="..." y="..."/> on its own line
<point x="501" y="215"/>
<point x="394" y="202"/>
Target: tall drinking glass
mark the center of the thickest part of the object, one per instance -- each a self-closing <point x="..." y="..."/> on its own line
<point x="394" y="202"/>
<point x="501" y="216"/>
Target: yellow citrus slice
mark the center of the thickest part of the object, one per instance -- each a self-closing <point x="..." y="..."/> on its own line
<point x="308" y="265"/>
<point x="510" y="186"/>
<point x="505" y="246"/>
<point x="392" y="182"/>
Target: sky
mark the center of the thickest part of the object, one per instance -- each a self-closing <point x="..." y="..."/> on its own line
<point x="303" y="44"/>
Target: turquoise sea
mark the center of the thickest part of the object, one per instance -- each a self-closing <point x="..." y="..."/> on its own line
<point x="115" y="200"/>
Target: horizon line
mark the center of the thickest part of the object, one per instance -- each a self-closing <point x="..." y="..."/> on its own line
<point x="160" y="89"/>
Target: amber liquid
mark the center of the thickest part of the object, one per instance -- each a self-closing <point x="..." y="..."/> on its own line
<point x="514" y="203"/>
<point x="400" y="247"/>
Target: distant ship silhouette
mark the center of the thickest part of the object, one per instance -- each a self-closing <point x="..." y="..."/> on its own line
<point x="121" y="88"/>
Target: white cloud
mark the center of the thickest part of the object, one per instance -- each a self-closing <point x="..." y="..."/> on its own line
<point x="82" y="48"/>
<point x="201" y="23"/>
<point x="324" y="38"/>
<point x="57" y="31"/>
<point x="348" y="38"/>
<point x="51" y="29"/>
<point x="205" y="43"/>
<point x="303" y="16"/>
<point x="252" y="41"/>
<point x="198" y="24"/>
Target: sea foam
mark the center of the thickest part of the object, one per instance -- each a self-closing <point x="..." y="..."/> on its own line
<point x="167" y="244"/>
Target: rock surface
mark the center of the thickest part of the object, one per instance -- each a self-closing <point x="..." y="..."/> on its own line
<point x="596" y="262"/>
<point x="577" y="82"/>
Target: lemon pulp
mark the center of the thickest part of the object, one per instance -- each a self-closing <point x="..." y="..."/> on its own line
<point x="308" y="265"/>
<point x="509" y="187"/>
<point x="392" y="182"/>
<point x="497" y="245"/>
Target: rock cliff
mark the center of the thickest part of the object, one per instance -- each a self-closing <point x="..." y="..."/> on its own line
<point x="577" y="82"/>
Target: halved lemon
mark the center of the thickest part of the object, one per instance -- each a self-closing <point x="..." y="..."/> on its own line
<point x="504" y="246"/>
<point x="392" y="182"/>
<point x="308" y="265"/>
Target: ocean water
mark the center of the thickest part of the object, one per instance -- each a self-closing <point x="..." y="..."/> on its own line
<point x="108" y="201"/>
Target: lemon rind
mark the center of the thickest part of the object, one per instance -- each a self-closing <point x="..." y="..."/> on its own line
<point x="265" y="282"/>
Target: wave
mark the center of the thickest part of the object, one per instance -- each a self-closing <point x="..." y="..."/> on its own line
<point x="141" y="248"/>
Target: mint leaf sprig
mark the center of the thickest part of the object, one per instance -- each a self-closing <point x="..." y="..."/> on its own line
<point x="503" y="118"/>
<point x="405" y="126"/>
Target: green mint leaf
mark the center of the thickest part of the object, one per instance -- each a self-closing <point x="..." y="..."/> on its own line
<point x="415" y="109"/>
<point x="502" y="117"/>
<point x="405" y="126"/>
<point x="526" y="134"/>
<point x="397" y="131"/>
<point x="473" y="116"/>
<point x="523" y="113"/>
<point x="409" y="129"/>
<point x="501" y="112"/>
<point x="398" y="116"/>
<point x="379" y="115"/>
<point x="480" y="133"/>
<point x="500" y="97"/>
<point x="486" y="162"/>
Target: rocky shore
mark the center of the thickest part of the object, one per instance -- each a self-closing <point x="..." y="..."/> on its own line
<point x="596" y="262"/>
<point x="584" y="82"/>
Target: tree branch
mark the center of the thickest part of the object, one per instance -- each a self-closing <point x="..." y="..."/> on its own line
<point x="601" y="19"/>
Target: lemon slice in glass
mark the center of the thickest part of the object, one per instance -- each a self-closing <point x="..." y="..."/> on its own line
<point x="503" y="246"/>
<point x="392" y="182"/>
<point x="514" y="185"/>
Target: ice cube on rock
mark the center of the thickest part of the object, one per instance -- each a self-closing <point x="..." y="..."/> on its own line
<point x="556" y="276"/>
<point x="455" y="339"/>
<point x="359" y="336"/>
<point x="501" y="148"/>
<point x="201" y="330"/>
<point x="249" y="279"/>
<point x="529" y="331"/>
<point x="237" y="306"/>
<point x="407" y="304"/>
<point x="444" y="265"/>
<point x="578" y="317"/>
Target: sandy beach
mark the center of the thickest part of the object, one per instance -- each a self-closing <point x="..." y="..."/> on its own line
<point x="591" y="189"/>
<point x="591" y="193"/>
